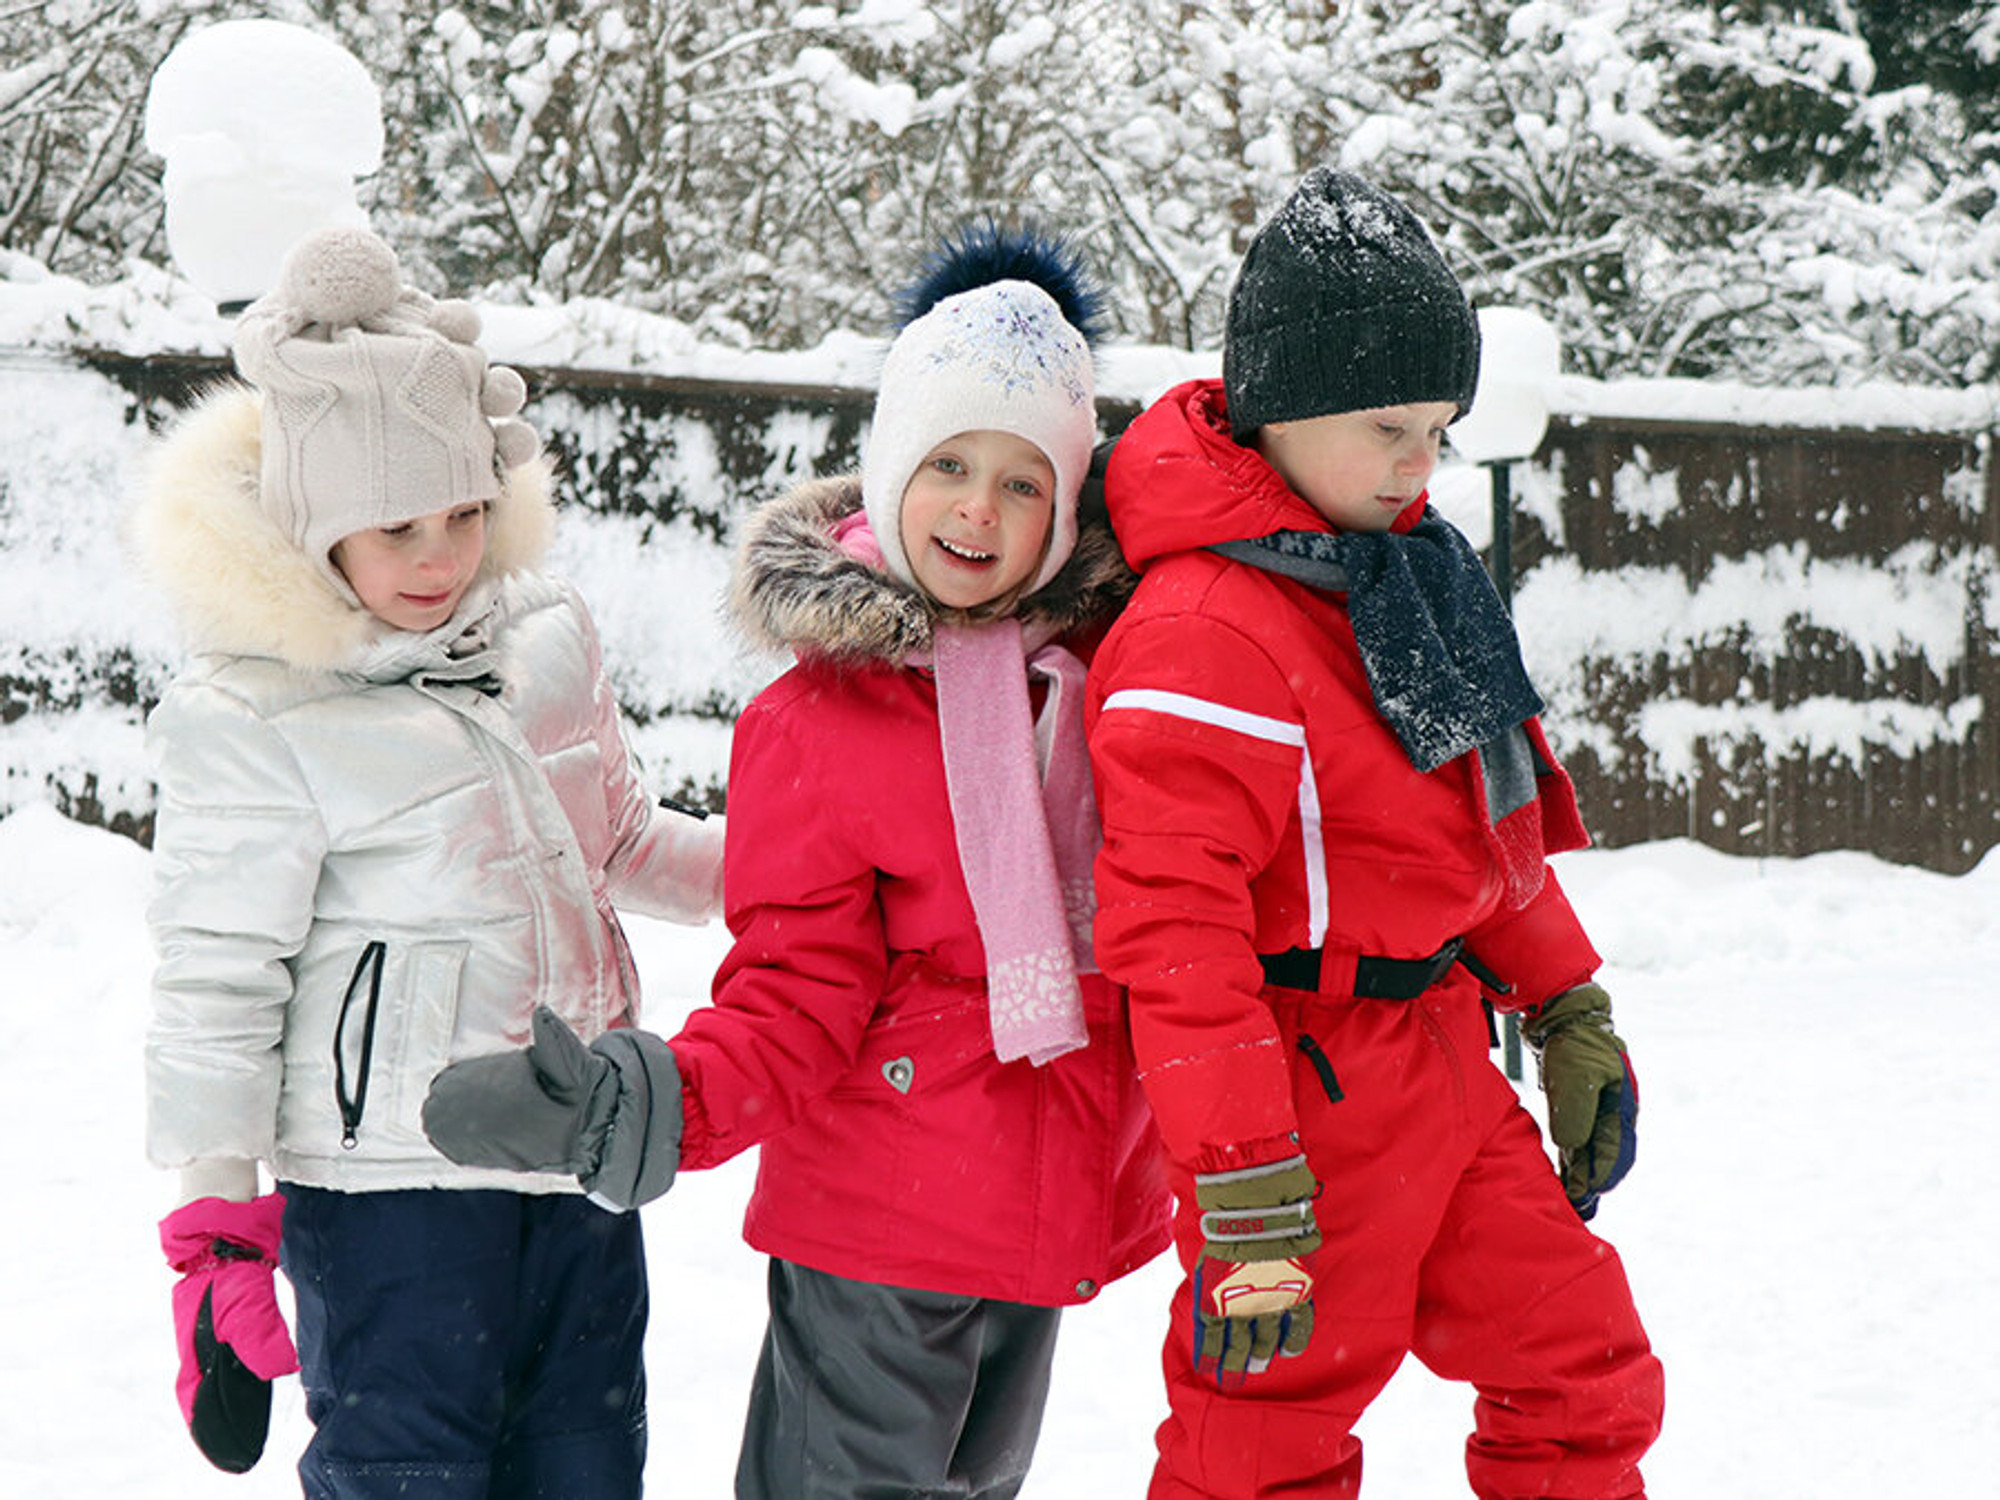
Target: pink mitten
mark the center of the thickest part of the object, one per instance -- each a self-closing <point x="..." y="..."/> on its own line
<point x="232" y="1338"/>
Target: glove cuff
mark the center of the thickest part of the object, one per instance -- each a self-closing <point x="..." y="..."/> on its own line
<point x="190" y="1234"/>
<point x="1243" y="1234"/>
<point x="1258" y="1213"/>
<point x="640" y="1151"/>
<point x="1587" y="1005"/>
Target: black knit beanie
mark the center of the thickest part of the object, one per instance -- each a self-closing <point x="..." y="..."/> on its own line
<point x="1344" y="304"/>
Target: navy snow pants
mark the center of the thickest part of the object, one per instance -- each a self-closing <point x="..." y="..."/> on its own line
<point x="868" y="1392"/>
<point x="468" y="1345"/>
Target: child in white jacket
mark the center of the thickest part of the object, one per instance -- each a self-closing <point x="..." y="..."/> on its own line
<point x="395" y="811"/>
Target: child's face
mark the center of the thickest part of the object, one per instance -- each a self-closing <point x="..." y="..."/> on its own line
<point x="413" y="574"/>
<point x="1359" y="469"/>
<point x="976" y="517"/>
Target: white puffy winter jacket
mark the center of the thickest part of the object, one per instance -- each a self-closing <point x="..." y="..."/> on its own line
<point x="369" y="864"/>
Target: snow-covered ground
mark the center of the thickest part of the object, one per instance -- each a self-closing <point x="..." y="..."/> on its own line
<point x="1809" y="1229"/>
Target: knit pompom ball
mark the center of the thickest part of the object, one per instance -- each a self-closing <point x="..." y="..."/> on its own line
<point x="503" y="393"/>
<point x="340" y="276"/>
<point x="515" y="441"/>
<point x="456" y="319"/>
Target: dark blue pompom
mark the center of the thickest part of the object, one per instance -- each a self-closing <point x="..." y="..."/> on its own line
<point x="984" y="252"/>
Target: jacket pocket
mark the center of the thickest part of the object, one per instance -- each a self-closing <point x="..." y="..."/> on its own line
<point x="907" y="1056"/>
<point x="392" y="1034"/>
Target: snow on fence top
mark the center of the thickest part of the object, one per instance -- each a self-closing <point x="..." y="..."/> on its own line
<point x="154" y="313"/>
<point x="1871" y="406"/>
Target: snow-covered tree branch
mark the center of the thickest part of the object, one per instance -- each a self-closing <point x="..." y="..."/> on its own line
<point x="1684" y="187"/>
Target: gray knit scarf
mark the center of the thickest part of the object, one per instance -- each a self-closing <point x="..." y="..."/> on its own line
<point x="1442" y="658"/>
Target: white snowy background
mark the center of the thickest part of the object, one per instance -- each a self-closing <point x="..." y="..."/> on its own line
<point x="1809" y="1230"/>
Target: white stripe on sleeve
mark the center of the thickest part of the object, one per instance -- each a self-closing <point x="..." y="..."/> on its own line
<point x="1274" y="731"/>
<point x="1201" y="711"/>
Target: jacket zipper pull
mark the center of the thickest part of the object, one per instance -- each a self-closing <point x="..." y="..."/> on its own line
<point x="351" y="1106"/>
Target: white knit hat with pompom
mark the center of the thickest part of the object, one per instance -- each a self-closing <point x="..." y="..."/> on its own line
<point x="996" y="337"/>
<point x="379" y="405"/>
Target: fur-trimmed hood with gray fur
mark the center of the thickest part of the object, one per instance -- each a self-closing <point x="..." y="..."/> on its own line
<point x="237" y="584"/>
<point x="795" y="589"/>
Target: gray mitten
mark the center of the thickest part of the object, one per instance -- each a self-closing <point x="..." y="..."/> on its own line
<point x="609" y="1113"/>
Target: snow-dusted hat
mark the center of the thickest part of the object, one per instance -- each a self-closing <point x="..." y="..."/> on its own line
<point x="1344" y="304"/>
<point x="997" y="337"/>
<point x="378" y="404"/>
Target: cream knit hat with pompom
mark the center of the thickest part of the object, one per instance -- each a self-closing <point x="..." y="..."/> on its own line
<point x="378" y="404"/>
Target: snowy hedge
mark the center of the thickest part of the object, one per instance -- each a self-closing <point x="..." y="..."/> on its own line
<point x="1766" y="620"/>
<point x="651" y="478"/>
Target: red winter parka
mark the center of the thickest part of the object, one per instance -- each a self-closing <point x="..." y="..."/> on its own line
<point x="1237" y="749"/>
<point x="849" y="1030"/>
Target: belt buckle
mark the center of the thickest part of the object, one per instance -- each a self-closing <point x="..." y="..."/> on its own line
<point x="1443" y="960"/>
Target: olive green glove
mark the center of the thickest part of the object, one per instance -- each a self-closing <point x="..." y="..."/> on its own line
<point x="1252" y="1294"/>
<point x="1592" y="1092"/>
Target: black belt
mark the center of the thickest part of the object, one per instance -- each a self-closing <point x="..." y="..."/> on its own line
<point x="1378" y="978"/>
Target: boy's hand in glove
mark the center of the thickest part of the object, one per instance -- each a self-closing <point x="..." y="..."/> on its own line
<point x="1592" y="1092"/>
<point x="610" y="1113"/>
<point x="1253" y="1296"/>
<point x="232" y="1337"/>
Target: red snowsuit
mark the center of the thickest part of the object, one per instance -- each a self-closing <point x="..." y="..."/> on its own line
<point x="1255" y="802"/>
<point x="849" y="1034"/>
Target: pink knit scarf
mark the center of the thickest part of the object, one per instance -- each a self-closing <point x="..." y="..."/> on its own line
<point x="1025" y="842"/>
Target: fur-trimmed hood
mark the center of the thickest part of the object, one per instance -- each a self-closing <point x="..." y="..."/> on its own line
<point x="794" y="588"/>
<point x="236" y="584"/>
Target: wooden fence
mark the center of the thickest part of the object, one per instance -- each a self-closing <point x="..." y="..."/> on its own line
<point x="1772" y="640"/>
<point x="1835" y="675"/>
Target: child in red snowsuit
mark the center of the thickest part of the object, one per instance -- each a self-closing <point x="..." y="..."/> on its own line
<point x="1327" y="804"/>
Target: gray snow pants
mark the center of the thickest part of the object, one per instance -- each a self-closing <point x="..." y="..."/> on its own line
<point x="867" y="1392"/>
